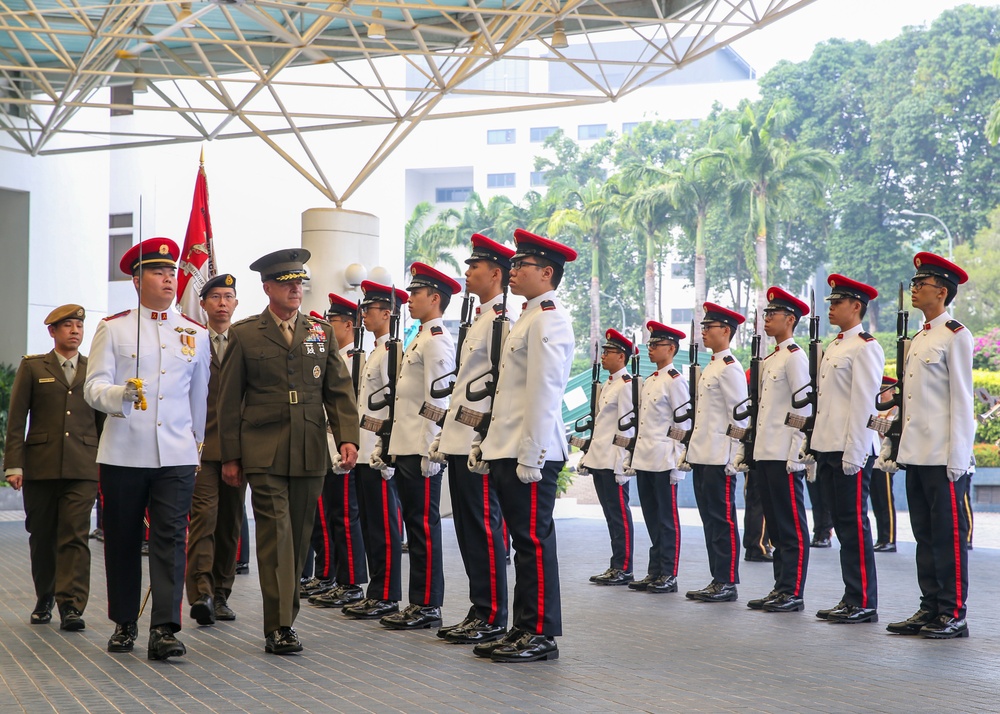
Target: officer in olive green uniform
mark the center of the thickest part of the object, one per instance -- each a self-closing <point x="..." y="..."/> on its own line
<point x="56" y="465"/>
<point x="281" y="372"/>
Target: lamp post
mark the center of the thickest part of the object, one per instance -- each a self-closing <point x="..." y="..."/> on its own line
<point x="620" y="306"/>
<point x="951" y="246"/>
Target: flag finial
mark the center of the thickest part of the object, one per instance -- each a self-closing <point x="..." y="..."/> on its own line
<point x="201" y="159"/>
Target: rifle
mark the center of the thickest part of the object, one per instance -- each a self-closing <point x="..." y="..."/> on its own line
<point x="587" y="423"/>
<point x="478" y="420"/>
<point x="691" y="405"/>
<point x="749" y="408"/>
<point x="631" y="420"/>
<point x="357" y="353"/>
<point x="463" y="330"/>
<point x="805" y="424"/>
<point x="386" y="397"/>
<point x="992" y="404"/>
<point x="886" y="426"/>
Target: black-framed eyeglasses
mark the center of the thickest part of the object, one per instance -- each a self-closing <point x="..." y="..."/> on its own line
<point x="518" y="264"/>
<point x="709" y="325"/>
<point x="773" y="312"/>
<point x="916" y="284"/>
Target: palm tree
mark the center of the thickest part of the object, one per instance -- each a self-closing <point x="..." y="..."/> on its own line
<point x="430" y="245"/>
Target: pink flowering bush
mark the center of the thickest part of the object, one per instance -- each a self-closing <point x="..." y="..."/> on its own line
<point x="986" y="351"/>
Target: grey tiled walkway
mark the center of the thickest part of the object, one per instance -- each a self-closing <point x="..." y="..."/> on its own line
<point x="623" y="651"/>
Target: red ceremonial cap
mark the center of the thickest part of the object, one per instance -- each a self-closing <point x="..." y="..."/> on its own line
<point x="930" y="265"/>
<point x="614" y="340"/>
<point x="485" y="249"/>
<point x="341" y="306"/>
<point x="424" y="276"/>
<point x="313" y="313"/>
<point x="778" y="299"/>
<point x="152" y="252"/>
<point x="717" y="313"/>
<point x="843" y="287"/>
<point x="376" y="292"/>
<point x="888" y="381"/>
<point x="530" y="244"/>
<point x="658" y="331"/>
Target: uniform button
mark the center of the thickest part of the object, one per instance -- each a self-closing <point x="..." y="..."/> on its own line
<point x="69" y="392"/>
<point x="290" y="356"/>
<point x="291" y="386"/>
<point x="68" y="411"/>
<point x="163" y="371"/>
<point x="67" y="433"/>
<point x="163" y="347"/>
<point x="291" y="371"/>
<point x="159" y="423"/>
<point x="161" y="397"/>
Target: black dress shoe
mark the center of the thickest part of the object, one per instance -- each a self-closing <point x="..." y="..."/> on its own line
<point x="317" y="586"/>
<point x="945" y="628"/>
<point x="913" y="624"/>
<point x="469" y="619"/>
<point x="606" y="573"/>
<point x="338" y="597"/>
<point x="852" y="614"/>
<point x="243" y="568"/>
<point x="97" y="534"/>
<point x="785" y="603"/>
<point x="615" y="577"/>
<point x="825" y="614"/>
<point x="203" y="610"/>
<point x="222" y="610"/>
<point x="71" y="619"/>
<point x="758" y="557"/>
<point x="821" y="542"/>
<point x="640" y="584"/>
<point x="282" y="641"/>
<point x="414" y="617"/>
<point x="163" y="643"/>
<point x="123" y="640"/>
<point x="475" y="632"/>
<point x="486" y="649"/>
<point x="371" y="609"/>
<point x="758" y="602"/>
<point x="42" y="614"/>
<point x="884" y="547"/>
<point x="725" y="592"/>
<point x="663" y="584"/>
<point x="527" y="648"/>
<point x="710" y="588"/>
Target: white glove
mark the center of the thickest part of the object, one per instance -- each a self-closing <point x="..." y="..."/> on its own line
<point x="676" y="476"/>
<point x="337" y="461"/>
<point x="528" y="474"/>
<point x="435" y="454"/>
<point x="849" y="468"/>
<point x="793" y="467"/>
<point x="683" y="464"/>
<point x="375" y="461"/>
<point x="805" y="457"/>
<point x="388" y="472"/>
<point x="622" y="479"/>
<point x="887" y="465"/>
<point x="731" y="470"/>
<point x="630" y="472"/>
<point x="811" y="472"/>
<point x="132" y="392"/>
<point x="476" y="464"/>
<point x="739" y="461"/>
<point x="955" y="474"/>
<point x="582" y="470"/>
<point x="428" y="468"/>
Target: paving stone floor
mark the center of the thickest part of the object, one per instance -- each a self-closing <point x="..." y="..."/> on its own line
<point x="623" y="651"/>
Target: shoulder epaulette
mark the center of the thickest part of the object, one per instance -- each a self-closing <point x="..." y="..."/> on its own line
<point x="866" y="336"/>
<point x="729" y="359"/>
<point x="123" y="313"/>
<point x="954" y="325"/>
<point x="34" y="356"/>
<point x="548" y="305"/>
<point x="673" y="373"/>
<point x="252" y="318"/>
<point x="793" y="347"/>
<point x="194" y="321"/>
<point x="316" y="320"/>
<point x="498" y="309"/>
<point x="626" y="378"/>
<point x="437" y="330"/>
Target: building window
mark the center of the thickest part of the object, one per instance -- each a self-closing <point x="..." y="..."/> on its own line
<point x="538" y="178"/>
<point x="122" y="94"/>
<point x="500" y="180"/>
<point x="541" y="133"/>
<point x="501" y="136"/>
<point x="591" y="131"/>
<point x="119" y="241"/>
<point x="458" y="194"/>
<point x="678" y="270"/>
<point x="628" y="127"/>
<point x="680" y="315"/>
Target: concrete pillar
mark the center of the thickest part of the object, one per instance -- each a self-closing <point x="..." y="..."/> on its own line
<point x="337" y="239"/>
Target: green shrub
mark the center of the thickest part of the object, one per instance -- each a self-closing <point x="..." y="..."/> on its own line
<point x="564" y="481"/>
<point x="987" y="456"/>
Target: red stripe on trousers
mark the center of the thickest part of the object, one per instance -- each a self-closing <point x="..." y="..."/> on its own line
<point x="861" y="546"/>
<point x="677" y="531"/>
<point x="628" y="533"/>
<point x="798" y="536"/>
<point x="958" y="553"/>
<point x="489" y="548"/>
<point x="732" y="530"/>
<point x="326" y="537"/>
<point x="539" y="564"/>
<point x="388" y="539"/>
<point x="347" y="527"/>
<point x="429" y="554"/>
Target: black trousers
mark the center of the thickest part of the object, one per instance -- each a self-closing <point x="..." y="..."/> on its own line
<point x="941" y="529"/>
<point x="783" y="500"/>
<point x="480" y="533"/>
<point x="421" y="500"/>
<point x="243" y="550"/>
<point x="321" y="560"/>
<point x="381" y="516"/>
<point x="850" y="520"/>
<point x="755" y="533"/>
<point x="883" y="507"/>
<point x="527" y="508"/>
<point x="658" y="500"/>
<point x="715" y="494"/>
<point x="821" y="497"/>
<point x="337" y="540"/>
<point x="127" y="492"/>
<point x="614" y="499"/>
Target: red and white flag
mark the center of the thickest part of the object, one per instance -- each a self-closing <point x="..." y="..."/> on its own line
<point x="197" y="264"/>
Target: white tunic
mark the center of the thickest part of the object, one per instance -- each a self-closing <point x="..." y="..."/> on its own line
<point x="373" y="381"/>
<point x="782" y="373"/>
<point x="939" y="426"/>
<point x="722" y="386"/>
<point x="175" y="383"/>
<point x="615" y="403"/>
<point x="662" y="392"/>
<point x="527" y="412"/>
<point x="429" y="356"/>
<point x="850" y="377"/>
<point x="456" y="438"/>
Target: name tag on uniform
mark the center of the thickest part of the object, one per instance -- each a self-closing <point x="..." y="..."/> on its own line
<point x="46" y="380"/>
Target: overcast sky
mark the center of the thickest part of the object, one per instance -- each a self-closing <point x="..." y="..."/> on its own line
<point x="793" y="37"/>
